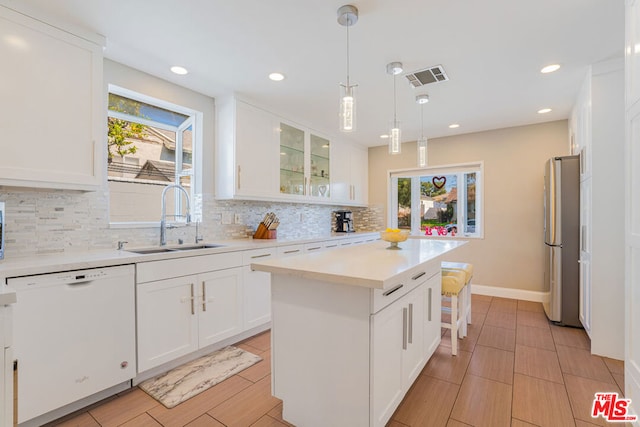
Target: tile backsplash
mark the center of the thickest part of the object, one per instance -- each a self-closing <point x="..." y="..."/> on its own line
<point x="54" y="221"/>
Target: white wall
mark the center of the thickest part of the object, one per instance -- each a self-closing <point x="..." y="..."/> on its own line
<point x="511" y="254"/>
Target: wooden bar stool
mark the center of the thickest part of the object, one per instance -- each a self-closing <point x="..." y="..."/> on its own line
<point x="453" y="284"/>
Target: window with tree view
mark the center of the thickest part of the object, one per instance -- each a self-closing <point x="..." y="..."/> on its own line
<point x="443" y="201"/>
<point x="151" y="144"/>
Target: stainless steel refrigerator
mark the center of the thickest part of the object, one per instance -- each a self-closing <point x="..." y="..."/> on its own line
<point x="562" y="239"/>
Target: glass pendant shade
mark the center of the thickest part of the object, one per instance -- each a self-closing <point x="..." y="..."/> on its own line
<point x="394" y="139"/>
<point x="422" y="152"/>
<point x="347" y="109"/>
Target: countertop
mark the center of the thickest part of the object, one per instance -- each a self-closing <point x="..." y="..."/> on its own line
<point x="371" y="265"/>
<point x="42" y="264"/>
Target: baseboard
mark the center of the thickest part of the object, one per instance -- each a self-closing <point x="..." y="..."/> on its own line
<point x="522" y="294"/>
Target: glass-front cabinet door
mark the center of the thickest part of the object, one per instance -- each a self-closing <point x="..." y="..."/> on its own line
<point x="292" y="160"/>
<point x="319" y="166"/>
<point x="304" y="163"/>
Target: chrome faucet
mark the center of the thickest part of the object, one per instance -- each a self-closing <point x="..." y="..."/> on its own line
<point x="163" y="219"/>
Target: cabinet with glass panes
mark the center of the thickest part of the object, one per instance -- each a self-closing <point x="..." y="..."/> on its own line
<point x="304" y="163"/>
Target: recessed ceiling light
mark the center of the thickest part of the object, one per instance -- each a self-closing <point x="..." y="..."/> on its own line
<point x="179" y="70"/>
<point x="384" y="136"/>
<point x="276" y="77"/>
<point x="454" y="125"/>
<point x="544" y="111"/>
<point x="550" y="68"/>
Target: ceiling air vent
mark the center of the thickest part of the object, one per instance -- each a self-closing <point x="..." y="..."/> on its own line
<point x="434" y="74"/>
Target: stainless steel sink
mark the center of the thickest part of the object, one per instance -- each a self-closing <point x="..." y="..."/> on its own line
<point x="160" y="250"/>
<point x="192" y="247"/>
<point x="150" y="251"/>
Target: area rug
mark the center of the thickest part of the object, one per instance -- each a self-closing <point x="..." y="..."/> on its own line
<point x="186" y="381"/>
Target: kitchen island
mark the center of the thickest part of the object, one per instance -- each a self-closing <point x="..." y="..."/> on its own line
<point x="352" y="328"/>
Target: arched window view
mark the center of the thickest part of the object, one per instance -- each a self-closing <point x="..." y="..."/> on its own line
<point x="437" y="204"/>
<point x="149" y="147"/>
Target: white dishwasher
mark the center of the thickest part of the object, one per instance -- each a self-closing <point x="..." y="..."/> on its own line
<point x="74" y="335"/>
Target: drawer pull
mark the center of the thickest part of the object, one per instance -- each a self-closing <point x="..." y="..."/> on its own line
<point x="419" y="275"/>
<point x="314" y="249"/>
<point x="292" y="251"/>
<point x="392" y="290"/>
<point x="404" y="328"/>
<point x="410" y="323"/>
<point x="259" y="256"/>
<point x="331" y="246"/>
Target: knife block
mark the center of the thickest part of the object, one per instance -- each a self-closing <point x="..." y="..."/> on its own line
<point x="264" y="233"/>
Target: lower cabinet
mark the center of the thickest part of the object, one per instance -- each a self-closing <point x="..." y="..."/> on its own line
<point x="256" y="288"/>
<point x="178" y="316"/>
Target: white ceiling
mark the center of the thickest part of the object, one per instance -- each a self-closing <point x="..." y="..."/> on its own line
<point x="492" y="51"/>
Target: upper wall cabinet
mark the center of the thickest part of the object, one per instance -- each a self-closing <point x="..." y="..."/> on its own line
<point x="261" y="156"/>
<point x="349" y="182"/>
<point x="246" y="151"/>
<point x="51" y="110"/>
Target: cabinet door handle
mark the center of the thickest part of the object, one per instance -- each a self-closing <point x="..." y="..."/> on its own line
<point x="238" y="177"/>
<point x="392" y="290"/>
<point x="260" y="256"/>
<point x="313" y="249"/>
<point x="429" y="302"/>
<point x="204" y="297"/>
<point x="404" y="328"/>
<point x="292" y="251"/>
<point x="419" y="275"/>
<point x="410" y="323"/>
<point x="193" y="302"/>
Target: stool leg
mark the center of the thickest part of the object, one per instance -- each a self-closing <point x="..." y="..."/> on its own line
<point x="468" y="308"/>
<point x="454" y="325"/>
<point x="463" y="313"/>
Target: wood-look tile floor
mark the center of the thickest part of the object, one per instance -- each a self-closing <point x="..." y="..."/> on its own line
<point x="514" y="368"/>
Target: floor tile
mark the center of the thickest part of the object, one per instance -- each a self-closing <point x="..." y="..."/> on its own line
<point x="192" y="408"/>
<point x="82" y="420"/>
<point x="492" y="336"/>
<point x="580" y="423"/>
<point x="501" y="319"/>
<point x="267" y="421"/>
<point x="394" y="423"/>
<point x="260" y="370"/>
<point x="582" y="363"/>
<point x="540" y="402"/>
<point x="480" y="307"/>
<point x="539" y="363"/>
<point x="581" y="394"/>
<point x="248" y="406"/>
<point x="503" y="305"/>
<point x="204" y="421"/>
<point x="531" y="318"/>
<point x="428" y="403"/>
<point x="456" y="423"/>
<point x="492" y="363"/>
<point x="143" y="420"/>
<point x="261" y="341"/>
<point x="619" y="379"/>
<point x="535" y="337"/>
<point x="519" y="423"/>
<point x="277" y="414"/>
<point x="571" y="337"/>
<point x="530" y="306"/>
<point x="614" y="366"/>
<point x="128" y="406"/>
<point x="444" y="366"/>
<point x="483" y="402"/>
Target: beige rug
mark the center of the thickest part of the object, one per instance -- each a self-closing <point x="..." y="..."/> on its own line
<point x="186" y="381"/>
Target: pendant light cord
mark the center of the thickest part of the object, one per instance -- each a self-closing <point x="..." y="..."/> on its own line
<point x="421" y="121"/>
<point x="348" y="25"/>
<point x="395" y="120"/>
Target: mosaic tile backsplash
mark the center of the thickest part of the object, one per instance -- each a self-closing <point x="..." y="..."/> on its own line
<point x="55" y="221"/>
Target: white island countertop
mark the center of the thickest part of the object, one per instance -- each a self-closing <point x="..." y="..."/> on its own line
<point x="371" y="265"/>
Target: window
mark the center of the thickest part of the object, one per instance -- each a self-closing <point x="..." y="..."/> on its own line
<point x="439" y="201"/>
<point x="151" y="144"/>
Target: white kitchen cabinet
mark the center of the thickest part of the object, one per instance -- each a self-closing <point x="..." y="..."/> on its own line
<point x="52" y="113"/>
<point x="247" y="152"/>
<point x="432" y="314"/>
<point x="597" y="127"/>
<point x="166" y="320"/>
<point x="256" y="288"/>
<point x="220" y="306"/>
<point x="349" y="182"/>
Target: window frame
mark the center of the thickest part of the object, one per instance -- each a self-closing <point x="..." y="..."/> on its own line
<point x="195" y="120"/>
<point x="459" y="169"/>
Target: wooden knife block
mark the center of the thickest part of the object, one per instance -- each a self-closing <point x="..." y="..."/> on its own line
<point x="264" y="233"/>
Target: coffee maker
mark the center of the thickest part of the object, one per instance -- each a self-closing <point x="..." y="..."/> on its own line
<point x="344" y="221"/>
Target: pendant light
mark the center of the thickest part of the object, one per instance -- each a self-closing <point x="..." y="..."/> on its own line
<point x="422" y="142"/>
<point x="395" y="145"/>
<point x="347" y="16"/>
